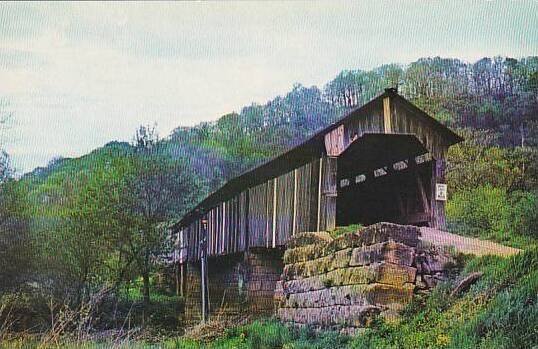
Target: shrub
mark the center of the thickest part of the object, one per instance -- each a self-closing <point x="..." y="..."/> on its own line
<point x="524" y="213"/>
<point x="478" y="211"/>
<point x="492" y="213"/>
<point x="267" y="335"/>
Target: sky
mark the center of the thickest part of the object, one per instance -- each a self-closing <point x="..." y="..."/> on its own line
<point x="76" y="76"/>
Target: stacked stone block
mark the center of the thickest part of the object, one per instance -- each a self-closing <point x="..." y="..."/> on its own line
<point x="264" y="268"/>
<point x="342" y="283"/>
<point x="193" y="289"/>
<point x="239" y="285"/>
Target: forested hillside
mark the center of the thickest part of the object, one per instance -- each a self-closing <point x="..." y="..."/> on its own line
<point x="495" y="95"/>
<point x="97" y="222"/>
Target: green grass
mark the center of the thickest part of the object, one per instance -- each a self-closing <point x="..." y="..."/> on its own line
<point x="134" y="294"/>
<point x="266" y="334"/>
<point x="338" y="231"/>
<point x="28" y="344"/>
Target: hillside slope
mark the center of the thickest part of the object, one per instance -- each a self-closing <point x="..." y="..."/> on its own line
<point x="499" y="95"/>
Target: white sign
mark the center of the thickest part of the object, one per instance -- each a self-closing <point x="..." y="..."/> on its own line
<point x="440" y="192"/>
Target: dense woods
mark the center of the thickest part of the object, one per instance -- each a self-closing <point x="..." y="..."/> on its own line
<point x="98" y="223"/>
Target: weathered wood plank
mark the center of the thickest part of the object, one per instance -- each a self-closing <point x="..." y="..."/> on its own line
<point x="387" y="123"/>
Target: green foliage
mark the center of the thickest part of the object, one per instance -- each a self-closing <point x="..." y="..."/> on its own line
<point x="16" y="248"/>
<point x="352" y="228"/>
<point x="493" y="213"/>
<point x="477" y="162"/>
<point x="93" y="218"/>
<point x="492" y="190"/>
<point x="524" y="213"/>
<point x="481" y="210"/>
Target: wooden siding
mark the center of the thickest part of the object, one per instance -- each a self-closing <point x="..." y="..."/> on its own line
<point x="226" y="229"/>
<point x="404" y="121"/>
<point x="334" y="141"/>
<point x="260" y="214"/>
<point x="285" y="212"/>
<point x="266" y="215"/>
<point x="355" y="128"/>
<point x="306" y="206"/>
<point x="399" y="120"/>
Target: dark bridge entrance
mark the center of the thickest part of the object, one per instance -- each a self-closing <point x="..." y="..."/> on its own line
<point x="384" y="178"/>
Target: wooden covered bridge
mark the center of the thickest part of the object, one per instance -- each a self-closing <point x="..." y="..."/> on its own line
<point x="383" y="161"/>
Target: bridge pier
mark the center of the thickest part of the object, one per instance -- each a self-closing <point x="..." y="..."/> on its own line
<point x="239" y="284"/>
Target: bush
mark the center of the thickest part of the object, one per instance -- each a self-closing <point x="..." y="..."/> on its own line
<point x="267" y="335"/>
<point x="26" y="312"/>
<point x="478" y="211"/>
<point x="524" y="213"/>
<point x="492" y="213"/>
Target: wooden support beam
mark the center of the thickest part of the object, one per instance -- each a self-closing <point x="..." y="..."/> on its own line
<point x="223" y="241"/>
<point x="320" y="186"/>
<point x="294" y="229"/>
<point x="386" y="115"/>
<point x="182" y="280"/>
<point x="204" y="273"/>
<point x="247" y="221"/>
<point x="267" y="213"/>
<point x="275" y="193"/>
<point x="330" y="193"/>
<point x="179" y="265"/>
<point x="438" y="219"/>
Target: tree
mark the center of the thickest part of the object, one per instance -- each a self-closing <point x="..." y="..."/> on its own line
<point x="478" y="162"/>
<point x="114" y="222"/>
<point x="162" y="189"/>
<point x="5" y="167"/>
<point x="98" y="232"/>
<point x="15" y="246"/>
<point x="16" y="253"/>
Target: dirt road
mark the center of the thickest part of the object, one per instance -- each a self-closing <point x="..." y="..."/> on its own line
<point x="464" y="244"/>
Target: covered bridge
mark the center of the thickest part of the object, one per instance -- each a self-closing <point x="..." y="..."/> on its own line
<point x="383" y="161"/>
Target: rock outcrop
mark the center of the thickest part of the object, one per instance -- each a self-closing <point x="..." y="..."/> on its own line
<point x="342" y="283"/>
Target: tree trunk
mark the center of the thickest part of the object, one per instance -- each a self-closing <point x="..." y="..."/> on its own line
<point x="145" y="279"/>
